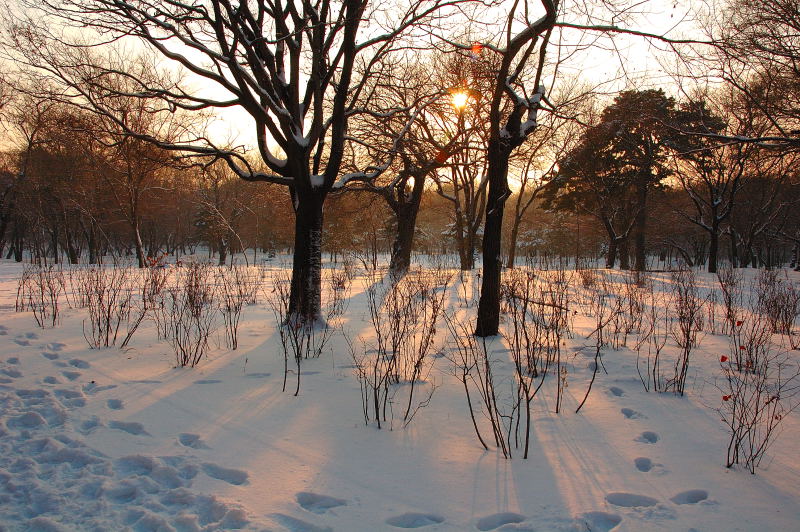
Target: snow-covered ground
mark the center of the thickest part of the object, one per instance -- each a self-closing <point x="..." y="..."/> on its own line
<point x="110" y="439"/>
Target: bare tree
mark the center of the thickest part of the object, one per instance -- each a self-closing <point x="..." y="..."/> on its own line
<point x="290" y="66"/>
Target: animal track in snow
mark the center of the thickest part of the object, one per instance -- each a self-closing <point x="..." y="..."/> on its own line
<point x="647" y="437"/>
<point x="690" y="497"/>
<point x="71" y="375"/>
<point x="191" y="440"/>
<point x="49" y="356"/>
<point x="643" y="464"/>
<point x="13" y="373"/>
<point x="50" y="380"/>
<point x="632" y="414"/>
<point x="630" y="500"/>
<point x="414" y="520"/>
<point x="616" y="392"/>
<point x="231" y="476"/>
<point x="115" y="404"/>
<point x="600" y="521"/>
<point x="13" y="360"/>
<point x="78" y="363"/>
<point x="318" y="504"/>
<point x="491" y="522"/>
<point x="55" y="346"/>
<point x="131" y="427"/>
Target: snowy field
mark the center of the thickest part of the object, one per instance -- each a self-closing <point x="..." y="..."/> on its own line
<point x="122" y="439"/>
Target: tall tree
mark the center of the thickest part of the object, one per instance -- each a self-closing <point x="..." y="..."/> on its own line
<point x="512" y="117"/>
<point x="289" y="65"/>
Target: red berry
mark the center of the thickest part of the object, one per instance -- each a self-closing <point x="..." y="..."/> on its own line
<point x="723" y="358"/>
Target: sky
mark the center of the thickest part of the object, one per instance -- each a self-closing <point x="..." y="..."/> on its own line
<point x="612" y="64"/>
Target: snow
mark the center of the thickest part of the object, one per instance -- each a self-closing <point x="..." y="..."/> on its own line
<point x="109" y="439"/>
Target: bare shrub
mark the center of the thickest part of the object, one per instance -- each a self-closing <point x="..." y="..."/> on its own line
<point x="778" y="299"/>
<point x="588" y="277"/>
<point x="188" y="314"/>
<point x="404" y="318"/>
<point x="655" y="333"/>
<point x="474" y="370"/>
<point x="237" y="289"/>
<point x="299" y="339"/>
<point x="730" y="283"/>
<point x="39" y="290"/>
<point x="755" y="402"/>
<point x="530" y="343"/>
<point x="109" y="305"/>
<point x="688" y="310"/>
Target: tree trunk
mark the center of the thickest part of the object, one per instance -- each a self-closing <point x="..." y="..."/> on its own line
<point x="641" y="226"/>
<point x="305" y="298"/>
<point x="406" y="215"/>
<point x="489" y="304"/>
<point x="713" y="247"/>
<point x="611" y="258"/>
<point x="512" y="244"/>
<point x="137" y="240"/>
<point x="403" y="241"/>
<point x="223" y="252"/>
<point x="624" y="255"/>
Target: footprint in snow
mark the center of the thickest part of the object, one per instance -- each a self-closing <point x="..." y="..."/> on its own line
<point x="115" y="404"/>
<point x="11" y="372"/>
<point x="647" y="437"/>
<point x="71" y="398"/>
<point x="131" y="427"/>
<point x="231" y="476"/>
<point x="22" y="342"/>
<point x="414" y="520"/>
<point x="632" y="414"/>
<point x="88" y="426"/>
<point x="690" y="497"/>
<point x="31" y="336"/>
<point x="616" y="392"/>
<point x="50" y="380"/>
<point x="49" y="356"/>
<point x="208" y="381"/>
<point x="28" y="420"/>
<point x="71" y="375"/>
<point x="494" y="521"/>
<point x="643" y="464"/>
<point x="13" y="360"/>
<point x="294" y="524"/>
<point x="318" y="504"/>
<point x="56" y="346"/>
<point x="78" y="363"/>
<point x="600" y="521"/>
<point x="192" y="440"/>
<point x="630" y="500"/>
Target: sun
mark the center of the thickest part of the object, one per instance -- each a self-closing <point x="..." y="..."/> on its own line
<point x="459" y="99"/>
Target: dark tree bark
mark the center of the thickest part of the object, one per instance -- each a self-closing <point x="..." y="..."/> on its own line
<point x="489" y="303"/>
<point x="501" y="145"/>
<point x="305" y="302"/>
<point x="640" y="232"/>
<point x="406" y="215"/>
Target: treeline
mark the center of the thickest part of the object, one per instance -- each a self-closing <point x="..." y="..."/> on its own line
<point x="76" y="190"/>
